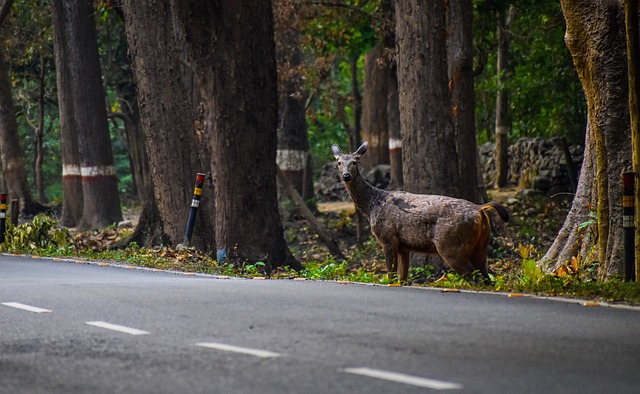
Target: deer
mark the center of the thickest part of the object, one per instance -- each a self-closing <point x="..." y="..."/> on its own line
<point x="403" y="223"/>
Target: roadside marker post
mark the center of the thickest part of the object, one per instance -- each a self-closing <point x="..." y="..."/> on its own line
<point x="3" y="215"/>
<point x="195" y="203"/>
<point x="628" y="218"/>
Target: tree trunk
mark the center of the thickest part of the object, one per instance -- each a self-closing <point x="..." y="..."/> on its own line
<point x="503" y="115"/>
<point x="166" y="107"/>
<point x="374" y="108"/>
<point x="596" y="39"/>
<point x="233" y="53"/>
<point x="395" y="136"/>
<point x="633" y="51"/>
<point x="76" y="42"/>
<point x="71" y="179"/>
<point x="39" y="153"/>
<point x="293" y="143"/>
<point x="461" y="88"/>
<point x="393" y="105"/>
<point x="430" y="162"/>
<point x="11" y="153"/>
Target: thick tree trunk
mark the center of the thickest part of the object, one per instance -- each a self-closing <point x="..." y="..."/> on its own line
<point x="503" y="114"/>
<point x="461" y="87"/>
<point x="430" y="162"/>
<point x="165" y="104"/>
<point x="76" y="38"/>
<point x="595" y="36"/>
<point x="633" y="50"/>
<point x="374" y="108"/>
<point x="234" y="55"/>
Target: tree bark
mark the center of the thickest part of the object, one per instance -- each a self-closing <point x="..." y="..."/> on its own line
<point x="395" y="135"/>
<point x="293" y="143"/>
<point x="430" y="162"/>
<point x="11" y="153"/>
<point x="393" y="104"/>
<point x="596" y="39"/>
<point x="633" y="52"/>
<point x="461" y="88"/>
<point x="72" y="201"/>
<point x="374" y="108"/>
<point x="39" y="151"/>
<point x="174" y="142"/>
<point x="75" y="36"/>
<point x="503" y="114"/>
<point x="233" y="52"/>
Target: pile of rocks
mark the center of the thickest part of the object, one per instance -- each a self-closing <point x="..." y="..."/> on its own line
<point x="534" y="164"/>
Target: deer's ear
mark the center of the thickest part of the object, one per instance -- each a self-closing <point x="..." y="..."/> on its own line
<point x="362" y="149"/>
<point x="335" y="149"/>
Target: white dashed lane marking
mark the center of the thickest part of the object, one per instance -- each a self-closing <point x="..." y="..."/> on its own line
<point x="117" y="327"/>
<point x="26" y="307"/>
<point x="238" y="349"/>
<point x="406" y="379"/>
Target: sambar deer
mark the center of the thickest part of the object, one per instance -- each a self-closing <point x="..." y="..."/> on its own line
<point x="455" y="229"/>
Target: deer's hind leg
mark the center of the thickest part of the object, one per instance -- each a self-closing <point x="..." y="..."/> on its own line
<point x="403" y="265"/>
<point x="479" y="254"/>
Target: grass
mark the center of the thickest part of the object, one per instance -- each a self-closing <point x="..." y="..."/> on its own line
<point x="576" y="279"/>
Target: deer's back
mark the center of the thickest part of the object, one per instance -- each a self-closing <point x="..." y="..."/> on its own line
<point x="424" y="223"/>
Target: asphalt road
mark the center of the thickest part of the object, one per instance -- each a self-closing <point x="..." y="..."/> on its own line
<point x="85" y="328"/>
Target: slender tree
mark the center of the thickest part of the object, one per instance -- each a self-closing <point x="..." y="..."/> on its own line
<point x="393" y="104"/>
<point x="11" y="153"/>
<point x="293" y="142"/>
<point x="461" y="88"/>
<point x="375" y="123"/>
<point x="503" y="114"/>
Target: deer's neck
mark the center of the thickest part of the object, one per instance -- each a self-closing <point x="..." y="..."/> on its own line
<point x="365" y="195"/>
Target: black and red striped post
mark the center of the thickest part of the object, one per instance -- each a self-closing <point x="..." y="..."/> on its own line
<point x="628" y="224"/>
<point x="195" y="203"/>
<point x="3" y="215"/>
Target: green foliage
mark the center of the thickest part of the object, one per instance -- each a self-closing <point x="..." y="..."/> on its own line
<point x="41" y="235"/>
<point x="545" y="92"/>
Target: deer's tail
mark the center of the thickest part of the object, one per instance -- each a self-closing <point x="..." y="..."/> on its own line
<point x="502" y="211"/>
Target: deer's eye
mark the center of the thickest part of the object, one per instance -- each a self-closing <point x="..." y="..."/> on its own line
<point x="339" y="164"/>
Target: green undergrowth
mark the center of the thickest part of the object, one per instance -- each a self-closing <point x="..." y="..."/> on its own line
<point x="42" y="236"/>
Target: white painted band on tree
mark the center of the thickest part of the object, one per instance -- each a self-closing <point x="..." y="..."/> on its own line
<point x="70" y="169"/>
<point x="291" y="159"/>
<point x="395" y="143"/>
<point x="88" y="171"/>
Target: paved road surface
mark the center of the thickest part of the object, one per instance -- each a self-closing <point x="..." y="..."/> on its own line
<point x="72" y="328"/>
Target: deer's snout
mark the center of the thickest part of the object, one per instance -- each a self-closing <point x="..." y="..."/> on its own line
<point x="346" y="177"/>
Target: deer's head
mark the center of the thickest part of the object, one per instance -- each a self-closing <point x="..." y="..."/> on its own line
<point x="348" y="163"/>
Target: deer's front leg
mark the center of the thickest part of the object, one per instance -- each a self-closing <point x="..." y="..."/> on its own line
<point x="391" y="257"/>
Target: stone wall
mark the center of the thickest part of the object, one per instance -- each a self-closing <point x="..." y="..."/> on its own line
<point x="534" y="163"/>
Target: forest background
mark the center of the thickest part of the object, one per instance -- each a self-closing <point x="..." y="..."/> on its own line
<point x="329" y="56"/>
